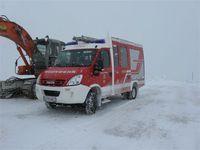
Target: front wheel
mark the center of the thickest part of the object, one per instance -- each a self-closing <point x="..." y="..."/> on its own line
<point x="91" y="103"/>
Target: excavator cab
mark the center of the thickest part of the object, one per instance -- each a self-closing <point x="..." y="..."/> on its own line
<point x="46" y="53"/>
<point x="43" y="57"/>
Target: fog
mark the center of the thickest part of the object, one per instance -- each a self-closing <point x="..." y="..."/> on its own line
<point x="168" y="31"/>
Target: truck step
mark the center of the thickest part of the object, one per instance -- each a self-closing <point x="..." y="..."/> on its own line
<point x="105" y="101"/>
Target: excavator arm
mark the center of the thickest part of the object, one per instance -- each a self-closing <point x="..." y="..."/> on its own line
<point x="41" y="53"/>
<point x="23" y="41"/>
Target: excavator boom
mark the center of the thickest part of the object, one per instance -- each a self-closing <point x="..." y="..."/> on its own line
<point x="17" y="34"/>
<point x="23" y="41"/>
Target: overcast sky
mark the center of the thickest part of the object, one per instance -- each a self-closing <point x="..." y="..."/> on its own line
<point x="169" y="31"/>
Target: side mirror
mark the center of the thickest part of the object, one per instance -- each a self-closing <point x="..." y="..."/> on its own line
<point x="16" y="63"/>
<point x="98" y="67"/>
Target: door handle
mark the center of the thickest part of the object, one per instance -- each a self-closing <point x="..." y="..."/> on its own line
<point x="110" y="74"/>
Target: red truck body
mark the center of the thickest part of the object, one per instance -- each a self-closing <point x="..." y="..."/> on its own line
<point x="108" y="67"/>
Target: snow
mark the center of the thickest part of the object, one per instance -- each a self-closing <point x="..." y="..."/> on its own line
<point x="166" y="115"/>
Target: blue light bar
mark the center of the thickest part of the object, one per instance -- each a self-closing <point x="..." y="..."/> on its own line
<point x="71" y="43"/>
<point x="99" y="41"/>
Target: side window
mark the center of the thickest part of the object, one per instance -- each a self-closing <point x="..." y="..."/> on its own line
<point x="106" y="58"/>
<point x="134" y="54"/>
<point x="116" y="56"/>
<point x="54" y="49"/>
<point x="124" y="60"/>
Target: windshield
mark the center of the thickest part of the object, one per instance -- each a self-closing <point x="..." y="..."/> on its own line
<point x="42" y="48"/>
<point x="75" y="58"/>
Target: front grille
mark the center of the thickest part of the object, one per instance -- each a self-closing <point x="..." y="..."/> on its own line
<point x="52" y="82"/>
<point x="51" y="93"/>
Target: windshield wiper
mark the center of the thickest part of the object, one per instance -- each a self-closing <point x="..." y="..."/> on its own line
<point x="70" y="65"/>
<point x="59" y="65"/>
<point x="73" y="64"/>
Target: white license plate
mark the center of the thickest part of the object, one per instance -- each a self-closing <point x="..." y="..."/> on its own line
<point x="49" y="98"/>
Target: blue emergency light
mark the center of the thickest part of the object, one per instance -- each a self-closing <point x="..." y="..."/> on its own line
<point x="71" y="43"/>
<point x="98" y="41"/>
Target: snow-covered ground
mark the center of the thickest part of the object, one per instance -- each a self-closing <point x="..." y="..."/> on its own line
<point x="166" y="115"/>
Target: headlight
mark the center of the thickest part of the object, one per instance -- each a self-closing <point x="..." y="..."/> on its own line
<point x="76" y="80"/>
<point x="38" y="79"/>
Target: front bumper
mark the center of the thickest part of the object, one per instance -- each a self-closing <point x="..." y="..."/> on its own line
<point x="67" y="95"/>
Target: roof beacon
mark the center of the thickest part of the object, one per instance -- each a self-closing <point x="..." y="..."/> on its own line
<point x="88" y="39"/>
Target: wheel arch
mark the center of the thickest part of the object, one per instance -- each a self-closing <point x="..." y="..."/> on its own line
<point x="134" y="84"/>
<point x="97" y="89"/>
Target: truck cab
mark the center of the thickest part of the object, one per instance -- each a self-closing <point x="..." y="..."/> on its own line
<point x="90" y="70"/>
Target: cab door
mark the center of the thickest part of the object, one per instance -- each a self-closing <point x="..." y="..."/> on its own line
<point x="105" y="76"/>
<point x="54" y="49"/>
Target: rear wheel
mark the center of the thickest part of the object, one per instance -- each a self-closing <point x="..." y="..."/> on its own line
<point x="91" y="103"/>
<point x="133" y="93"/>
<point x="50" y="105"/>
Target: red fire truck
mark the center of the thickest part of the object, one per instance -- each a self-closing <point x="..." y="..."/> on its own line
<point x="89" y="71"/>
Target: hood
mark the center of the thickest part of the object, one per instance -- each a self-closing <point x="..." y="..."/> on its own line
<point x="63" y="73"/>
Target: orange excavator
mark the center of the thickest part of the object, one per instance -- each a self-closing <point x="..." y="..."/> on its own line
<point x="41" y="53"/>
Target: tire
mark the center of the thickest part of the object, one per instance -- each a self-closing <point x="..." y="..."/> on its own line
<point x="90" y="104"/>
<point x="133" y="93"/>
<point x="50" y="105"/>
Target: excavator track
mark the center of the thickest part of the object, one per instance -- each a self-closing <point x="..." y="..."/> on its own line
<point x="14" y="87"/>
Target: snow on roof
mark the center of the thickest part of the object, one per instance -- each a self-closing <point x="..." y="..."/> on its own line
<point x="91" y="45"/>
<point x="82" y="45"/>
<point x="125" y="41"/>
